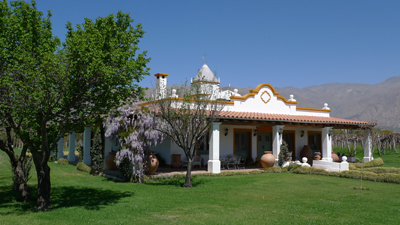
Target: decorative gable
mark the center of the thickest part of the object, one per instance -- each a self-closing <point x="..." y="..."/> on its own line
<point x="263" y="99"/>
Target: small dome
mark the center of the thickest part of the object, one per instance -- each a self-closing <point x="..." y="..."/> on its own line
<point x="205" y="74"/>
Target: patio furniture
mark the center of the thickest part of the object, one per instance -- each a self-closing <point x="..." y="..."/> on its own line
<point x="241" y="163"/>
<point x="233" y="161"/>
<point x="224" y="163"/>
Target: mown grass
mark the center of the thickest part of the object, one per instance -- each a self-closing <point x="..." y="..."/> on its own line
<point x="269" y="198"/>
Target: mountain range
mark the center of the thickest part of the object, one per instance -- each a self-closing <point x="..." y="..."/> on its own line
<point x="378" y="103"/>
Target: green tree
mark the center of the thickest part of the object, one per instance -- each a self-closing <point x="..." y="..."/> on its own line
<point x="48" y="89"/>
<point x="284" y="153"/>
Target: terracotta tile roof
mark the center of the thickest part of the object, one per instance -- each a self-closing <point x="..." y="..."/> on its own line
<point x="289" y="118"/>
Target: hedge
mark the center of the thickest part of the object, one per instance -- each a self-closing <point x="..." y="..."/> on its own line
<point x="383" y="170"/>
<point x="355" y="174"/>
<point x="83" y="167"/>
<point x="372" y="163"/>
<point x="273" y="170"/>
<point x="63" y="161"/>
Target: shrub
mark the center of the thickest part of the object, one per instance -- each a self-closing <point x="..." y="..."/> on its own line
<point x="308" y="170"/>
<point x="63" y="161"/>
<point x="293" y="166"/>
<point x="333" y="173"/>
<point x="390" y="177"/>
<point x="273" y="170"/>
<point x="372" y="163"/>
<point x="352" y="166"/>
<point x="384" y="170"/>
<point x="96" y="153"/>
<point x="283" y="154"/>
<point x="80" y="151"/>
<point x="367" y="175"/>
<point x="83" y="167"/>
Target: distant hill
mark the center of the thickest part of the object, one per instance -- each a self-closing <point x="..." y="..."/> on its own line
<point x="378" y="103"/>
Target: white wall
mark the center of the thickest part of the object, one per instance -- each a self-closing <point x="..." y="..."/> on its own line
<point x="164" y="150"/>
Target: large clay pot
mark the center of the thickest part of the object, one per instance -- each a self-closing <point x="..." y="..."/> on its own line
<point x="176" y="161"/>
<point x="307" y="152"/>
<point x="110" y="161"/>
<point x="267" y="160"/>
<point x="152" y="164"/>
<point x="335" y="157"/>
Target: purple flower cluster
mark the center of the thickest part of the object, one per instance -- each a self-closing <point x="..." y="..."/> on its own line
<point x="135" y="130"/>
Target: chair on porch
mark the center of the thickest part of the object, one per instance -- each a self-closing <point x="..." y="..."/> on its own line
<point x="233" y="161"/>
<point x="241" y="162"/>
<point x="224" y="163"/>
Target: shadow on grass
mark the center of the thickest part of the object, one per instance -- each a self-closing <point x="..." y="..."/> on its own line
<point x="177" y="182"/>
<point x="10" y="202"/>
<point x="88" y="198"/>
<point x="61" y="197"/>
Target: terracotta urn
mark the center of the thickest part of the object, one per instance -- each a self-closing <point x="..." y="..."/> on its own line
<point x="317" y="156"/>
<point x="267" y="160"/>
<point x="307" y="152"/>
<point x="110" y="161"/>
<point x="335" y="157"/>
<point x="176" y="161"/>
<point x="152" y="164"/>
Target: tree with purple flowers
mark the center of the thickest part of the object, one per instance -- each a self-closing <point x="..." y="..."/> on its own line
<point x="134" y="128"/>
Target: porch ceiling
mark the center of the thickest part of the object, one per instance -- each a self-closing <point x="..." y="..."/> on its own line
<point x="268" y="119"/>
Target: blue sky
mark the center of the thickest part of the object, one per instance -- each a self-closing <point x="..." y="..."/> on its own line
<point x="283" y="43"/>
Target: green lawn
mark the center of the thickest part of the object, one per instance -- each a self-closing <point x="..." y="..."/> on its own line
<point x="286" y="198"/>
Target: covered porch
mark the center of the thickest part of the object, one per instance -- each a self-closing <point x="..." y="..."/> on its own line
<point x="250" y="134"/>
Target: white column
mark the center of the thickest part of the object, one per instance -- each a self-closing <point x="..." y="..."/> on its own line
<point x="327" y="144"/>
<point x="214" y="165"/>
<point x="86" y="146"/>
<point x="276" y="141"/>
<point x="367" y="146"/>
<point x="107" y="149"/>
<point x="71" y="153"/>
<point x="60" y="153"/>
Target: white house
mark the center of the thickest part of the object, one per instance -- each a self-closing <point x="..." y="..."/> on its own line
<point x="257" y="122"/>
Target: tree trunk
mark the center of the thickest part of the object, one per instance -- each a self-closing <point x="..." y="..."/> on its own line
<point x="188" y="182"/>
<point x="44" y="185"/>
<point x="20" y="182"/>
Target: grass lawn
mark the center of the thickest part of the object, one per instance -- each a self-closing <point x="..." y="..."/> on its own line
<point x="285" y="198"/>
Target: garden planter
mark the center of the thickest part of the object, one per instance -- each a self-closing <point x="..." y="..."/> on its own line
<point x="335" y="157"/>
<point x="152" y="164"/>
<point x="267" y="160"/>
<point x="110" y="161"/>
<point x="317" y="157"/>
<point x="176" y="161"/>
<point x="351" y="159"/>
<point x="307" y="152"/>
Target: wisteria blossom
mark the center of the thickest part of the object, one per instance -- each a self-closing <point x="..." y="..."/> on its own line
<point x="134" y="128"/>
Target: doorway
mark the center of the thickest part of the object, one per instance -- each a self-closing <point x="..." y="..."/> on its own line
<point x="242" y="143"/>
<point x="264" y="143"/>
